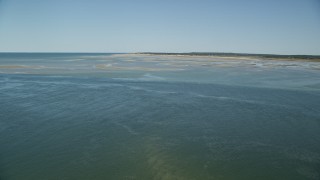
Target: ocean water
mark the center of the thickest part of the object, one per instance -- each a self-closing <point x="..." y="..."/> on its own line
<point x="135" y="117"/>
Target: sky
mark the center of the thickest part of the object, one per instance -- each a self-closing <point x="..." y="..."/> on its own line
<point x="240" y="26"/>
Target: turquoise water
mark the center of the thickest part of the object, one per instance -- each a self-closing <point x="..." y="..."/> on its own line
<point x="122" y="116"/>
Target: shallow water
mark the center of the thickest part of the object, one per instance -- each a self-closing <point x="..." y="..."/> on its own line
<point x="118" y="116"/>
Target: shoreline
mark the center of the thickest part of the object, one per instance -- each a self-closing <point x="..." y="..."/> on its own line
<point x="309" y="58"/>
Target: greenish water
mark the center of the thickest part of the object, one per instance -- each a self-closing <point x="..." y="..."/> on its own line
<point x="118" y="116"/>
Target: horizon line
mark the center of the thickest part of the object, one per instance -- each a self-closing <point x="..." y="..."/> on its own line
<point x="150" y="52"/>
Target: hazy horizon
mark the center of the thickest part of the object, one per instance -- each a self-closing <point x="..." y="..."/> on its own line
<point x="67" y="52"/>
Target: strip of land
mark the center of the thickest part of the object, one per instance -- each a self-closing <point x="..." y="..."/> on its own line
<point x="240" y="55"/>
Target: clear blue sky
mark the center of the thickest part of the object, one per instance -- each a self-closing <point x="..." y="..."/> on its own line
<point x="253" y="26"/>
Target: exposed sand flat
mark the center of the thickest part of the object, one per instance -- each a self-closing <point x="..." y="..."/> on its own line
<point x="235" y="57"/>
<point x="182" y="61"/>
<point x="162" y="63"/>
<point x="155" y="63"/>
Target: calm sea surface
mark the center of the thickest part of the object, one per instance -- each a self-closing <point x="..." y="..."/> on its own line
<point x="143" y="117"/>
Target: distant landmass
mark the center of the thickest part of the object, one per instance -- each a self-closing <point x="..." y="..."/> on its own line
<point x="219" y="54"/>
